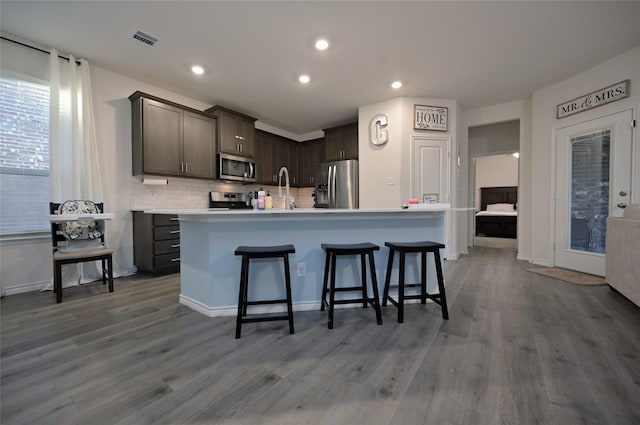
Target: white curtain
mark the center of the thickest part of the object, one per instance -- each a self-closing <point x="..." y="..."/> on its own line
<point x="74" y="164"/>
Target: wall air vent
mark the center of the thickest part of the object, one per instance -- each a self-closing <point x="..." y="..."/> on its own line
<point x="144" y="38"/>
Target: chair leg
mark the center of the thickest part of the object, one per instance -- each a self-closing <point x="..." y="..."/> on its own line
<point x="325" y="282"/>
<point x="332" y="294"/>
<point x="374" y="284"/>
<point x="363" y="273"/>
<point x="57" y="281"/>
<point x="110" y="271"/>
<point x="245" y="294"/>
<point x="387" y="279"/>
<point x="241" y="295"/>
<point x="401" y="266"/>
<point x="423" y="273"/>
<point x="443" y="296"/>
<point x="287" y="282"/>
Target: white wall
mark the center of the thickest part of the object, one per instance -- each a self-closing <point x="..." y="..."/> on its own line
<point x="377" y="164"/>
<point x="545" y="125"/>
<point x="385" y="171"/>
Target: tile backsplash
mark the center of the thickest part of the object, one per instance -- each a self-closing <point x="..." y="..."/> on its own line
<point x="194" y="193"/>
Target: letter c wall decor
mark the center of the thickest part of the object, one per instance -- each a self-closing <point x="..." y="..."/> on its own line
<point x="377" y="135"/>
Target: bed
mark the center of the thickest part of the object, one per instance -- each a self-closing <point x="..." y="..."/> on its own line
<point x="498" y="215"/>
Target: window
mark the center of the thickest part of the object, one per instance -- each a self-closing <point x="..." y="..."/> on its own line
<point x="24" y="155"/>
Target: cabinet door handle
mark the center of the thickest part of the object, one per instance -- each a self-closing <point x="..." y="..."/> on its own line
<point x="240" y="137"/>
<point x="174" y="219"/>
<point x="175" y="259"/>
<point x="186" y="167"/>
<point x="173" y="232"/>
<point x="175" y="246"/>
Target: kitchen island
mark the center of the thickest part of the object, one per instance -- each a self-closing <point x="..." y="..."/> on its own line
<point x="210" y="272"/>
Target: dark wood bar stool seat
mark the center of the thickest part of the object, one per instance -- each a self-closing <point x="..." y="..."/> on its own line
<point x="329" y="285"/>
<point x="253" y="252"/>
<point x="421" y="248"/>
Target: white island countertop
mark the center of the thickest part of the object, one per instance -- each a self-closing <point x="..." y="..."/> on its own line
<point x="205" y="214"/>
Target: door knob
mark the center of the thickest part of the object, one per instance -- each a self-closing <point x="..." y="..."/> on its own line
<point x="622" y="205"/>
<point x="623" y="193"/>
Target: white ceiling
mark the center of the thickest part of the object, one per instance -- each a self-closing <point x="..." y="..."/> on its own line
<point x="480" y="53"/>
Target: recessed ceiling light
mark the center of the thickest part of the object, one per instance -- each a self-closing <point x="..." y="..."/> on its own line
<point x="197" y="69"/>
<point x="304" y="79"/>
<point x="396" y="84"/>
<point x="322" y="44"/>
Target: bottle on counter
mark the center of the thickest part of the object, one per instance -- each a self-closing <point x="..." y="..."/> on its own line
<point x="261" y="196"/>
<point x="268" y="201"/>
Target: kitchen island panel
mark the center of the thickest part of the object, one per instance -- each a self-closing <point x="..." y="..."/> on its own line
<point x="210" y="272"/>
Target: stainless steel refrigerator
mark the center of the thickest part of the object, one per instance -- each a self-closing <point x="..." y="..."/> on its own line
<point x="337" y="184"/>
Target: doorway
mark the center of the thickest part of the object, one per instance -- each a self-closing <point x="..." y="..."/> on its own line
<point x="493" y="172"/>
<point x="593" y="181"/>
<point x="488" y="140"/>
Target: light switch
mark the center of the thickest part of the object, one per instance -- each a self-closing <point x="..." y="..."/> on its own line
<point x="391" y="181"/>
<point x="301" y="270"/>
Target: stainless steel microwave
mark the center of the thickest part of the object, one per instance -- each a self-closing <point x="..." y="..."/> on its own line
<point x="236" y="168"/>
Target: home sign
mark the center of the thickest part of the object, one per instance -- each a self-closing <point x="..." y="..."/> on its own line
<point x="430" y="118"/>
<point x="597" y="98"/>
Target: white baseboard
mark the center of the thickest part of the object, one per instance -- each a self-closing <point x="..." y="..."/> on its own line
<point x="539" y="262"/>
<point x="232" y="310"/>
<point x="22" y="288"/>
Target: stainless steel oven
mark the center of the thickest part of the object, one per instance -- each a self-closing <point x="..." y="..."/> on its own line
<point x="236" y="168"/>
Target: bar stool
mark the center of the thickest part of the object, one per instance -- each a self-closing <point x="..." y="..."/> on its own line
<point x="422" y="248"/>
<point x="361" y="249"/>
<point x="253" y="252"/>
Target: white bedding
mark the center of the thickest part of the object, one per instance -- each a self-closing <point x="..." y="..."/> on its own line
<point x="497" y="213"/>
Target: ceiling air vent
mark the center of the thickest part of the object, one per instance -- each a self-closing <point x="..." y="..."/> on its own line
<point x="144" y="38"/>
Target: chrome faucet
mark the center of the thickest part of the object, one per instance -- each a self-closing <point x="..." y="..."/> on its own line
<point x="287" y="200"/>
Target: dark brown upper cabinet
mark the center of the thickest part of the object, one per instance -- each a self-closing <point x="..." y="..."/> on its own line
<point x="312" y="153"/>
<point x="272" y="153"/>
<point x="236" y="131"/>
<point x="342" y="142"/>
<point x="170" y="139"/>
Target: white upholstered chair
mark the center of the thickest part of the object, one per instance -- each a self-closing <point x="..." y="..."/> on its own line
<point x="79" y="241"/>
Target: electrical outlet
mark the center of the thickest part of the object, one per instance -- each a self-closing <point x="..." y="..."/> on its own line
<point x="301" y="270"/>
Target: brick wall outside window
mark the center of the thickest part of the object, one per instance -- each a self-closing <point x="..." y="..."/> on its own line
<point x="24" y="156"/>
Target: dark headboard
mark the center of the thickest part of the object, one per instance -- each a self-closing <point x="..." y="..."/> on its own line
<point x="498" y="195"/>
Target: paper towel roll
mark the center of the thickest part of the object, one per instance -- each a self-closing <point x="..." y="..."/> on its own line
<point x="154" y="181"/>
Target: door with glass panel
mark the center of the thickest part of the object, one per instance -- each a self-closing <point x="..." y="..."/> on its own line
<point x="593" y="181"/>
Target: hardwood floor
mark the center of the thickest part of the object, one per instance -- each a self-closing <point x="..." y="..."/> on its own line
<point x="520" y="348"/>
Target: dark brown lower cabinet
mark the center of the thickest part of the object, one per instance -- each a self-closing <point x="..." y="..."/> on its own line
<point x="156" y="243"/>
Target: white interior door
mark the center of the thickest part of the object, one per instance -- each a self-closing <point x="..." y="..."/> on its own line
<point x="593" y="181"/>
<point x="431" y="168"/>
<point x="430" y="173"/>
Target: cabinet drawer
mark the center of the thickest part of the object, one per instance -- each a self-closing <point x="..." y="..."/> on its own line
<point x="167" y="260"/>
<point x="166" y="247"/>
<point x="165" y="220"/>
<point x="166" y="232"/>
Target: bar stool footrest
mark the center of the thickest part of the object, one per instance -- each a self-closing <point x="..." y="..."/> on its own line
<point x="355" y="301"/>
<point x="255" y="318"/>
<point x="284" y="301"/>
